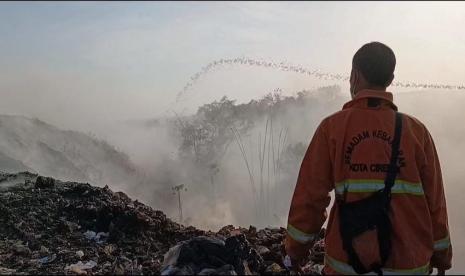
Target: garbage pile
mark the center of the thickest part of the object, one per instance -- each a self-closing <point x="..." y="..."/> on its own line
<point x="53" y="227"/>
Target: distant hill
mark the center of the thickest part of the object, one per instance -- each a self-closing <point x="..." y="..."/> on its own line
<point x="10" y="165"/>
<point x="33" y="145"/>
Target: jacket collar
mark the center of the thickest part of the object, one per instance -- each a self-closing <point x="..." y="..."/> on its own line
<point x="361" y="99"/>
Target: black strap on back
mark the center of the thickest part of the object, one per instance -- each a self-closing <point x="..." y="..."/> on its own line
<point x="393" y="168"/>
<point x="373" y="211"/>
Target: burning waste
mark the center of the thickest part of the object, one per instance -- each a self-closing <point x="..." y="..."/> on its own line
<point x="52" y="227"/>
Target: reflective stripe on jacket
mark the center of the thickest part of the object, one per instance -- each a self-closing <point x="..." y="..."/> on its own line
<point x="350" y="152"/>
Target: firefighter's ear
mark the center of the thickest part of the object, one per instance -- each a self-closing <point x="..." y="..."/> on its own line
<point x="354" y="78"/>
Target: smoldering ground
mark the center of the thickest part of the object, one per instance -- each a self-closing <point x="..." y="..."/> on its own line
<point x="251" y="187"/>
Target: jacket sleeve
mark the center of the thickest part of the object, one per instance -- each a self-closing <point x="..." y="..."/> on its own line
<point x="434" y="191"/>
<point x="311" y="197"/>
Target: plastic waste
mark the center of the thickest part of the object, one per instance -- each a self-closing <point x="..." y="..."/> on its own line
<point x="171" y="257"/>
<point x="90" y="235"/>
<point x="99" y="237"/>
<point x="212" y="256"/>
<point x="287" y="262"/>
<point x="80" y="254"/>
<point x="47" y="259"/>
<point x="79" y="267"/>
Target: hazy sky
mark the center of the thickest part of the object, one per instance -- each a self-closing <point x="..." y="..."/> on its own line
<point x="83" y="65"/>
<point x="78" y="63"/>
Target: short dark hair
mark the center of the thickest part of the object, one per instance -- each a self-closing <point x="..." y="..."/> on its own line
<point x="376" y="62"/>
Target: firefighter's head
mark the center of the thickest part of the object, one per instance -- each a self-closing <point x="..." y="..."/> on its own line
<point x="372" y="68"/>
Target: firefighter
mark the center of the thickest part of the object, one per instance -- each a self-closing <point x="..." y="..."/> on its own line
<point x="389" y="214"/>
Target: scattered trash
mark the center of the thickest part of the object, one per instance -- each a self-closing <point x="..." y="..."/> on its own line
<point x="90" y="235"/>
<point x="287" y="262"/>
<point x="44" y="182"/>
<point x="68" y="226"/>
<point x="44" y="260"/>
<point x="43" y="250"/>
<point x="262" y="250"/>
<point x="47" y="259"/>
<point x="80" y="267"/>
<point x="275" y="269"/>
<point x="212" y="256"/>
<point x="7" y="271"/>
<point x="124" y="237"/>
<point x="34" y="223"/>
<point x="109" y="249"/>
<point x="21" y="249"/>
<point x="312" y="269"/>
<point x="80" y="254"/>
<point x="99" y="237"/>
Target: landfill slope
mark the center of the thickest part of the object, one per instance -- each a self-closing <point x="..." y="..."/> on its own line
<point x="52" y="227"/>
<point x="28" y="144"/>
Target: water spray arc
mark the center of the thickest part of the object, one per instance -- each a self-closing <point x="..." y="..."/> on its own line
<point x="287" y="67"/>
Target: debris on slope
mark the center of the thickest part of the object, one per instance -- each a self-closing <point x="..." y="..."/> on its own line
<point x="53" y="227"/>
<point x="46" y="227"/>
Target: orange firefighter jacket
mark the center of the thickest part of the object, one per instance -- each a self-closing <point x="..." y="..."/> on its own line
<point x="351" y="150"/>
